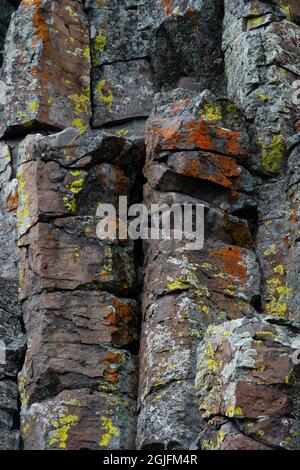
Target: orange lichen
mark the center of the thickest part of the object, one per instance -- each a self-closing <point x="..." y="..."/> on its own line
<point x="12" y="202"/>
<point x="231" y="139"/>
<point x="232" y="262"/>
<point x="199" y="135"/>
<point x="167" y="5"/>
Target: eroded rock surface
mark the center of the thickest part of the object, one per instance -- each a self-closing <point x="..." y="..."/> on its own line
<point x="116" y="344"/>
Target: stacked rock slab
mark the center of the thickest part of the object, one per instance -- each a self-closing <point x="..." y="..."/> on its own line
<point x="78" y="382"/>
<point x="248" y="393"/>
<point x="197" y="152"/>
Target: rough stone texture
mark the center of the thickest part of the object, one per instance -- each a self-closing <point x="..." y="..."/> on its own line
<point x="7" y="8"/>
<point x="47" y="58"/>
<point x="149" y="345"/>
<point x="246" y="374"/>
<point x="70" y="284"/>
<point x="12" y="342"/>
<point x="197" y="147"/>
<point x="139" y="47"/>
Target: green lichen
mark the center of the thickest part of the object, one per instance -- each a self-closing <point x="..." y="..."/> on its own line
<point x="211" y="112"/>
<point x="288" y="12"/>
<point x="256" y="21"/>
<point x="273" y="153"/>
<point x="104" y="94"/>
<point x="100" y="41"/>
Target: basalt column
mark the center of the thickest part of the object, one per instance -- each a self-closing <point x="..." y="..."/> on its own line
<point x="12" y="341"/>
<point x="197" y="152"/>
<point x="250" y="397"/>
<point x="78" y="382"/>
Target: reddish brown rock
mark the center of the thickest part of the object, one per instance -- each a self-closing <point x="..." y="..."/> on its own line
<point x="47" y="62"/>
<point x="79" y="420"/>
<point x="246" y="372"/>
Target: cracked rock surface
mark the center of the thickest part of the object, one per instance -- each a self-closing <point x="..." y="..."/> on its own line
<point x="130" y="344"/>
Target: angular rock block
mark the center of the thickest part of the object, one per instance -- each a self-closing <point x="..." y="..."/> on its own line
<point x="169" y="418"/>
<point x="81" y="337"/>
<point x="68" y="255"/>
<point x="262" y="82"/>
<point x="185" y="42"/>
<point x="117" y="31"/>
<point x="246" y="372"/>
<point x="188" y="133"/>
<point x="122" y="90"/>
<point x="79" y="420"/>
<point x="47" y="57"/>
<point x="226" y="269"/>
<point x="93" y="325"/>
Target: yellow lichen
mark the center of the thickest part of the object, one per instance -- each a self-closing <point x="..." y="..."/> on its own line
<point x="33" y="106"/>
<point x="273" y="153"/>
<point x="270" y="251"/>
<point x="232" y="411"/>
<point x="288" y="11"/>
<point x="62" y="428"/>
<point x="279" y="269"/>
<point x="104" y="93"/>
<point x="262" y="97"/>
<point x="211" y="112"/>
<point x="257" y="21"/>
<point x="100" y="41"/>
<point x="110" y="429"/>
<point x="278" y="295"/>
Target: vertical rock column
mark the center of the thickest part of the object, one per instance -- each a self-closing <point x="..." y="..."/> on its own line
<point x="122" y="79"/>
<point x="12" y="341"/>
<point x="78" y="383"/>
<point x="250" y="398"/>
<point x="197" y="152"/>
<point x="47" y="67"/>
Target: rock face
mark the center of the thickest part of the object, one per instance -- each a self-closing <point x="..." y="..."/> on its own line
<point x="124" y="344"/>
<point x="75" y="290"/>
<point x="49" y="40"/>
